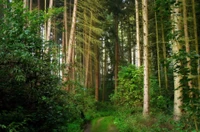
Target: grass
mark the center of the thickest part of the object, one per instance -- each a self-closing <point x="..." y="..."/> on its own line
<point x="103" y="124"/>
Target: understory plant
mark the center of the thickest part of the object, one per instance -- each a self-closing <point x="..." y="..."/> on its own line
<point x="31" y="95"/>
<point x="130" y="89"/>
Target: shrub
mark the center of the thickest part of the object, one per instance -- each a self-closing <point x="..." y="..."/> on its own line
<point x="130" y="88"/>
<point x="31" y="98"/>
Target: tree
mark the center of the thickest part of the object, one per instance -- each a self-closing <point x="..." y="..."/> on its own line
<point x="146" y="63"/>
<point x="71" y="37"/>
<point x="176" y="47"/>
<point x="137" y="34"/>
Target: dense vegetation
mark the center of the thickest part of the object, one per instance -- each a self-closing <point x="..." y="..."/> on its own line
<point x="73" y="66"/>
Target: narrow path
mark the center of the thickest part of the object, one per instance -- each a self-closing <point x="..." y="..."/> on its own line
<point x="102" y="124"/>
<point x="88" y="127"/>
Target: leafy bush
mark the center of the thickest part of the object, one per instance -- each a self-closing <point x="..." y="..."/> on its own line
<point x="130" y="88"/>
<point x="31" y="98"/>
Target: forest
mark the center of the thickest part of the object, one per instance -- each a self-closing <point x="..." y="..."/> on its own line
<point x="99" y="66"/>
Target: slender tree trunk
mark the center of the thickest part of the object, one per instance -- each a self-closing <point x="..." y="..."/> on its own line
<point x="122" y="40"/>
<point x="146" y="63"/>
<point x="49" y="22"/>
<point x="97" y="83"/>
<point x="176" y="18"/>
<point x="73" y="69"/>
<point x="129" y="43"/>
<point x="138" y="63"/>
<point x="164" y="55"/>
<point x="187" y="45"/>
<point x="87" y="50"/>
<point x="116" y="53"/>
<point x="25" y="3"/>
<point x="64" y="42"/>
<point x="31" y="5"/>
<point x="97" y="68"/>
<point x="105" y="75"/>
<point x="157" y="49"/>
<point x="196" y="40"/>
<point x="65" y="24"/>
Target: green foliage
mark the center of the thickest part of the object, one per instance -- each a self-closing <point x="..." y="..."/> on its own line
<point x="135" y="122"/>
<point x="191" y="101"/>
<point x="161" y="99"/>
<point x="31" y="98"/>
<point x="130" y="90"/>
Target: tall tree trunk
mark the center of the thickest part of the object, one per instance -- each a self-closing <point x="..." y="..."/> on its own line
<point x="71" y="37"/>
<point x="64" y="42"/>
<point x="65" y="25"/>
<point x="187" y="45"/>
<point x="196" y="40"/>
<point x="138" y="63"/>
<point x="122" y="40"/>
<point x="97" y="73"/>
<point x="87" y="50"/>
<point x="49" y="22"/>
<point x="129" y="43"/>
<point x="176" y="18"/>
<point x="73" y="69"/>
<point x="25" y="4"/>
<point x="157" y="49"/>
<point x="164" y="55"/>
<point x="38" y="2"/>
<point x="146" y="63"/>
<point x="116" y="52"/>
<point x="31" y="5"/>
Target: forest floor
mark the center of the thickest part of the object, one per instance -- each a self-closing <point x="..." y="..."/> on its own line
<point x="102" y="124"/>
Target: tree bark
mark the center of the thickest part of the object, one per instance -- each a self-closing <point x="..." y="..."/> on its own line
<point x="49" y="22"/>
<point x="176" y="46"/>
<point x="187" y="45"/>
<point x="71" y="37"/>
<point x="157" y="49"/>
<point x="146" y="63"/>
<point x="164" y="55"/>
<point x="116" y="52"/>
<point x="196" y="40"/>
<point x="138" y="63"/>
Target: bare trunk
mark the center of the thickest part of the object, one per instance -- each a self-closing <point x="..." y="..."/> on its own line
<point x="25" y="3"/>
<point x="157" y="49"/>
<point x="116" y="53"/>
<point x="31" y="5"/>
<point x="146" y="63"/>
<point x="138" y="63"/>
<point x="49" y="22"/>
<point x="87" y="51"/>
<point x="97" y="73"/>
<point x="164" y="56"/>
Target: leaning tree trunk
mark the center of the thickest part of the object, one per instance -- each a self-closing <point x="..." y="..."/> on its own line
<point x="71" y="37"/>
